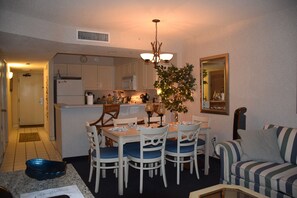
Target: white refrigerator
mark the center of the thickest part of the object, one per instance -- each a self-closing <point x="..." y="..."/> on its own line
<point x="69" y="91"/>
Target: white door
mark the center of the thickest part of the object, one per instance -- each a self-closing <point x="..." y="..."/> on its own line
<point x="3" y="113"/>
<point x="31" y="98"/>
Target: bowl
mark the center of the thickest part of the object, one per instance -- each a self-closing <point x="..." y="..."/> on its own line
<point x="42" y="169"/>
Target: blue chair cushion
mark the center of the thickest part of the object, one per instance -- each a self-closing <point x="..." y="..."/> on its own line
<point x="108" y="153"/>
<point x="183" y="149"/>
<point x="200" y="142"/>
<point x="135" y="152"/>
<point x="132" y="145"/>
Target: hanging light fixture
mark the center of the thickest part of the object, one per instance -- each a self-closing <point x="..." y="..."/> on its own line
<point x="156" y="57"/>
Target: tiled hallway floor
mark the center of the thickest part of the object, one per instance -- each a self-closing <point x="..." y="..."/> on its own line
<point x="17" y="153"/>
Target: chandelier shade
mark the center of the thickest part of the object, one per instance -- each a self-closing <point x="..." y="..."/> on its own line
<point x="156" y="56"/>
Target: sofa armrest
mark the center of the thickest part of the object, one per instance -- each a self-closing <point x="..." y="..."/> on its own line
<point x="230" y="152"/>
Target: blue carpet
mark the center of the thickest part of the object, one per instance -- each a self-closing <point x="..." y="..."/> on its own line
<point x="152" y="187"/>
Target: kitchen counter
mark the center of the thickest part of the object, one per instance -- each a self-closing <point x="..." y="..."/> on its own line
<point x="18" y="182"/>
<point x="71" y="137"/>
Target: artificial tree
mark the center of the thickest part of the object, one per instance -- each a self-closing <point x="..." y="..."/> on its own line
<point x="177" y="86"/>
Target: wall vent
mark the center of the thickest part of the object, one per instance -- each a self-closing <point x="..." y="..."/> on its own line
<point x="92" y="36"/>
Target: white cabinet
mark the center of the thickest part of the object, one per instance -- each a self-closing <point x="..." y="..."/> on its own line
<point x="74" y="70"/>
<point x="67" y="70"/>
<point x="98" y="77"/>
<point x="146" y="74"/>
<point x="89" y="77"/>
<point x="105" y="78"/>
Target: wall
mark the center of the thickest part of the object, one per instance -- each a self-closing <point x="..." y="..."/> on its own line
<point x="263" y="59"/>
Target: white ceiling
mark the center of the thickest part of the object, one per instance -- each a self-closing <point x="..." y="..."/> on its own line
<point x="179" y="19"/>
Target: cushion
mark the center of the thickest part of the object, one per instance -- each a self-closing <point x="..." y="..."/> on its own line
<point x="287" y="141"/>
<point x="260" y="145"/>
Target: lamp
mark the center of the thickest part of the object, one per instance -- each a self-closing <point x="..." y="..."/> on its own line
<point x="156" y="57"/>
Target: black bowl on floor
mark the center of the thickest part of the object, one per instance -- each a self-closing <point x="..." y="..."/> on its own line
<point x="42" y="169"/>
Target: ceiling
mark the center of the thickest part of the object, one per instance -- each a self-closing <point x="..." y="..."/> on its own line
<point x="130" y="16"/>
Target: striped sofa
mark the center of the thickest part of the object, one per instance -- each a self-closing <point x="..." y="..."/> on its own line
<point x="268" y="178"/>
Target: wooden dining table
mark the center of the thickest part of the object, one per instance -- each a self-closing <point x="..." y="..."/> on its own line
<point x="132" y="134"/>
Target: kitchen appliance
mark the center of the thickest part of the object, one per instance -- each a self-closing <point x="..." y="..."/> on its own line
<point x="129" y="83"/>
<point x="69" y="91"/>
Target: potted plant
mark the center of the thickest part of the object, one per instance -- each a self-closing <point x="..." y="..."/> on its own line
<point x="176" y="85"/>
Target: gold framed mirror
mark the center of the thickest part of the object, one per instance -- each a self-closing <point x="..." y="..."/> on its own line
<point x="214" y="84"/>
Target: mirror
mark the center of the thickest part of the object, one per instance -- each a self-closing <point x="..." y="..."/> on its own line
<point x="214" y="84"/>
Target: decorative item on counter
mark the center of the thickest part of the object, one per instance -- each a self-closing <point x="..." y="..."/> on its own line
<point x="90" y="98"/>
<point x="42" y="169"/>
<point x="144" y="97"/>
<point x="161" y="111"/>
<point x="109" y="99"/>
<point x="149" y="108"/>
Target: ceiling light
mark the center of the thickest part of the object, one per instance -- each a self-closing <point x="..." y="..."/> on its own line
<point x="156" y="57"/>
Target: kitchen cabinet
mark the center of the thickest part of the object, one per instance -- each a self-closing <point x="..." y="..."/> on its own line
<point x="60" y="69"/>
<point x="145" y="74"/>
<point x="90" y="77"/>
<point x="67" y="70"/>
<point x="74" y="70"/>
<point x="98" y="77"/>
<point x="105" y="78"/>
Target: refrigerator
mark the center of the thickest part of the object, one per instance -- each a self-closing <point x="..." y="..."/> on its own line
<point x="69" y="91"/>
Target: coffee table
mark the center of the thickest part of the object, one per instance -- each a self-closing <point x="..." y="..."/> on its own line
<point x="224" y="190"/>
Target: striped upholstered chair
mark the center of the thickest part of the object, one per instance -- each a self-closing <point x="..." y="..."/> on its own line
<point x="269" y="178"/>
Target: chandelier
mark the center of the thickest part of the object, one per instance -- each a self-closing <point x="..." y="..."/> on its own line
<point x="156" y="57"/>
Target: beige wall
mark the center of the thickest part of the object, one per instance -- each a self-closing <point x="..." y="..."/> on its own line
<point x="263" y="63"/>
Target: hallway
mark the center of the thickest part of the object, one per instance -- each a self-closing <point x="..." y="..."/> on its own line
<point x="17" y="153"/>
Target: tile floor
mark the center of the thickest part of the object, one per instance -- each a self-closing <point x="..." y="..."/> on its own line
<point x="17" y="153"/>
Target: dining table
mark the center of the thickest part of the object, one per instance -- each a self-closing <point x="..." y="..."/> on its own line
<point x="130" y="134"/>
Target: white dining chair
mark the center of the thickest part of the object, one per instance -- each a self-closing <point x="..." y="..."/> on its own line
<point x="150" y="155"/>
<point x="204" y="123"/>
<point x="103" y="158"/>
<point x="184" y="150"/>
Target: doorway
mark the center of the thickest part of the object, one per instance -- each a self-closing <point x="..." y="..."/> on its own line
<point x="30" y="99"/>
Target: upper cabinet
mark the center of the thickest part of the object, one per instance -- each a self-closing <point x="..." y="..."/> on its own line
<point x="98" y="77"/>
<point x="67" y="70"/>
<point x="145" y="73"/>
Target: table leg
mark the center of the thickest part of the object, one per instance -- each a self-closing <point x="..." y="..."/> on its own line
<point x="206" y="154"/>
<point x="120" y="178"/>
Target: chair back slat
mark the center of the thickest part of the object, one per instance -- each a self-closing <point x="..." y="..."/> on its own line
<point x="94" y="138"/>
<point x="109" y="112"/>
<point x="188" y="135"/>
<point x="153" y="139"/>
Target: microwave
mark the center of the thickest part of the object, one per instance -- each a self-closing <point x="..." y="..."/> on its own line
<point x="129" y="83"/>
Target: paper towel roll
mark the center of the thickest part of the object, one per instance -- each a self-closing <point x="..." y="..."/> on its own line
<point x="90" y="99"/>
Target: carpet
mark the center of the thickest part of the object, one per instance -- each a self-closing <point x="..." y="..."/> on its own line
<point x="152" y="187"/>
<point x="29" y="137"/>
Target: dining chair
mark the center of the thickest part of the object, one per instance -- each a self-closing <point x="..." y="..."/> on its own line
<point x="184" y="150"/>
<point x="125" y="121"/>
<point x="205" y="123"/>
<point x="103" y="158"/>
<point x="109" y="112"/>
<point x="150" y="154"/>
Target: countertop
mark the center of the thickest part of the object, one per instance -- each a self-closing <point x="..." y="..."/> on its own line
<point x="18" y="182"/>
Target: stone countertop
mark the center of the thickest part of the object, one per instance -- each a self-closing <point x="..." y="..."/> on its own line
<point x="18" y="182"/>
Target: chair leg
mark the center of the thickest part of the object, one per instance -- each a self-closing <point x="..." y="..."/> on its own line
<point x="103" y="171"/>
<point x="163" y="172"/>
<point x="177" y="170"/>
<point x="126" y="172"/>
<point x="191" y="166"/>
<point x="141" y="178"/>
<point x="97" y="178"/>
<point x="196" y="166"/>
<point x="91" y="170"/>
